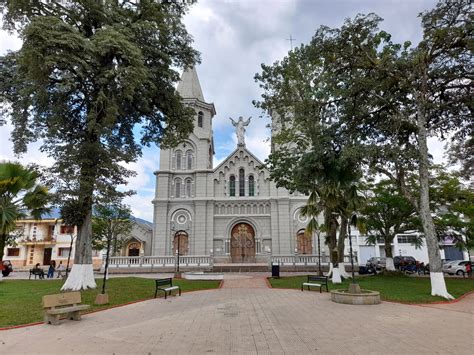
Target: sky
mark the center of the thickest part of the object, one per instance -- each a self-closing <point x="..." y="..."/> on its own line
<point x="234" y="38"/>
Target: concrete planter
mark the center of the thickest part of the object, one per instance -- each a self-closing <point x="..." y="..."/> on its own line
<point x="203" y="276"/>
<point x="365" y="297"/>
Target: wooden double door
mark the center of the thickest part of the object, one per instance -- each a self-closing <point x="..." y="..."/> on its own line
<point x="304" y="243"/>
<point x="242" y="243"/>
<point x="181" y="243"/>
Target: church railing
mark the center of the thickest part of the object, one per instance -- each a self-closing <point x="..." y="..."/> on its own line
<point x="299" y="260"/>
<point x="158" y="261"/>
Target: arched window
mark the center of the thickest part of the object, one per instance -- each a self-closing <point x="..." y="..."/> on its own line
<point x="251" y="186"/>
<point x="177" y="183"/>
<point x="188" y="187"/>
<point x="189" y="159"/>
<point x="200" y="118"/>
<point x="241" y="182"/>
<point x="232" y="186"/>
<point x="179" y="156"/>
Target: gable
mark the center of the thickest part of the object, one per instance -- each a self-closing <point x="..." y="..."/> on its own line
<point x="241" y="158"/>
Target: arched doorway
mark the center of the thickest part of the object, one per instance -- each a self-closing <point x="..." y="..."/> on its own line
<point x="242" y="243"/>
<point x="181" y="243"/>
<point x="304" y="244"/>
<point x="134" y="249"/>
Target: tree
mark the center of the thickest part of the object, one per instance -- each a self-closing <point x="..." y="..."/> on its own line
<point x="94" y="81"/>
<point x="454" y="206"/>
<point x="311" y="150"/>
<point x="413" y="93"/>
<point x="312" y="210"/>
<point x="20" y="195"/>
<point x="111" y="224"/>
<point x="387" y="213"/>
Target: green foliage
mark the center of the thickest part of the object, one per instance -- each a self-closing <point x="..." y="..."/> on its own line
<point x="454" y="203"/>
<point x="94" y="81"/>
<point x="387" y="213"/>
<point x="20" y="195"/>
<point x="111" y="224"/>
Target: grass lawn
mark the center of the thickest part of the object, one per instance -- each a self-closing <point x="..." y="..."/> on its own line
<point x="392" y="288"/>
<point x="20" y="300"/>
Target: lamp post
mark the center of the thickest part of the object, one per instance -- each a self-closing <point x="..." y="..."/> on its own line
<point x="319" y="253"/>
<point x="177" y="257"/>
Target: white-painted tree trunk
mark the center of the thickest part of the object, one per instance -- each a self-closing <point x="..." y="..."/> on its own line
<point x="1" y="277"/>
<point x="342" y="270"/>
<point x="389" y="265"/>
<point x="438" y="285"/>
<point x="330" y="270"/>
<point x="336" y="276"/>
<point x="81" y="277"/>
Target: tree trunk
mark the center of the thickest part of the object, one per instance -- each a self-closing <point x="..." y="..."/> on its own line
<point x="340" y="248"/>
<point x="438" y="285"/>
<point x="3" y="238"/>
<point x="332" y="244"/>
<point x="82" y="272"/>
<point x="389" y="265"/>
<point x="341" y="240"/>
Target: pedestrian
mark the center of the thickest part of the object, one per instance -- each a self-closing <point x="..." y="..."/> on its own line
<point x="468" y="268"/>
<point x="60" y="269"/>
<point x="51" y="269"/>
<point x="39" y="271"/>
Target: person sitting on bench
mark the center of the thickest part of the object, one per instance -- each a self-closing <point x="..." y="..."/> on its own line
<point x="38" y="271"/>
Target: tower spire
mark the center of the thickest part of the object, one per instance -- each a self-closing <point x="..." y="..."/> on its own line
<point x="188" y="86"/>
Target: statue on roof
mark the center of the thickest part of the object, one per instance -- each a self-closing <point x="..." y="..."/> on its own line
<point x="240" y="129"/>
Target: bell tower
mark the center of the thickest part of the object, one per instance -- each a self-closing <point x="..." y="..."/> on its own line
<point x="190" y="90"/>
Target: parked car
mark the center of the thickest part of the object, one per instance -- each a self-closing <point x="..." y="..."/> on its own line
<point x="457" y="267"/>
<point x="376" y="262"/>
<point x="7" y="267"/>
<point x="403" y="260"/>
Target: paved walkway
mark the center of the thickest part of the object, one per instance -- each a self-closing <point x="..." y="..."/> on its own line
<point x="254" y="320"/>
<point x="244" y="281"/>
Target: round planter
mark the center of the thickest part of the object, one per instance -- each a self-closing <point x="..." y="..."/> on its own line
<point x="365" y="297"/>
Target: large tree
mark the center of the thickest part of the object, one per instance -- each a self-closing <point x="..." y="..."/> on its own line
<point x="311" y="151"/>
<point x="20" y="196"/>
<point x="414" y="92"/>
<point x="94" y="81"/>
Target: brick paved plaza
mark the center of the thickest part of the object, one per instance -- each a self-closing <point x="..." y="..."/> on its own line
<point x="247" y="317"/>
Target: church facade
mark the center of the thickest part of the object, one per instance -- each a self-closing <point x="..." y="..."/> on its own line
<point x="232" y="211"/>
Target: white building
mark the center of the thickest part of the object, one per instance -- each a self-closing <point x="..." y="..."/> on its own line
<point x="403" y="244"/>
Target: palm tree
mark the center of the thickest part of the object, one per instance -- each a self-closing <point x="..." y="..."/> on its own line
<point x="20" y="195"/>
<point x="335" y="193"/>
<point x="311" y="210"/>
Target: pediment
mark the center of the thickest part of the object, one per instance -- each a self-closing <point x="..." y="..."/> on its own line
<point x="241" y="158"/>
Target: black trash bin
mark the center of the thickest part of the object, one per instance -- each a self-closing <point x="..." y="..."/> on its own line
<point x="275" y="270"/>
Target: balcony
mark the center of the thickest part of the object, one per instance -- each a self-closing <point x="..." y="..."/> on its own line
<point x="48" y="240"/>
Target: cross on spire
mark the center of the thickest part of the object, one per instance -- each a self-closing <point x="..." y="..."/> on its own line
<point x="291" y="39"/>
